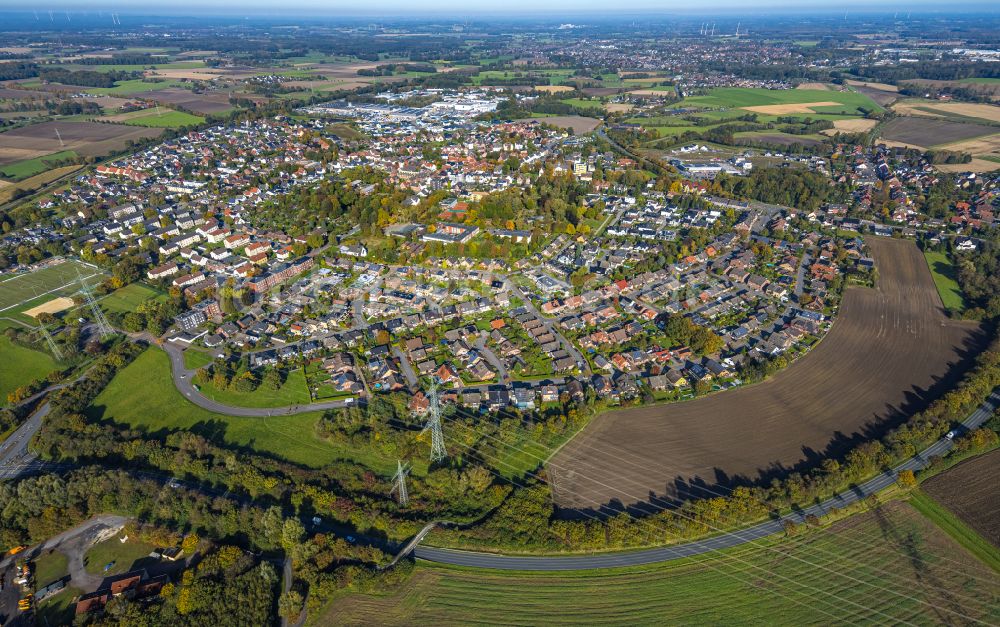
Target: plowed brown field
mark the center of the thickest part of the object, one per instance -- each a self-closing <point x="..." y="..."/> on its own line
<point x="889" y="352"/>
<point x="970" y="490"/>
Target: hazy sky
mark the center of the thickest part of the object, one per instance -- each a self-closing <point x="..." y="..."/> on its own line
<point x="464" y="7"/>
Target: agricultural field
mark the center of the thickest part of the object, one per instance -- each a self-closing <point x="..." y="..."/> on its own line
<point x="929" y="133"/>
<point x="36" y="182"/>
<point x="86" y="138"/>
<point x="984" y="114"/>
<point x="969" y="490"/>
<point x="206" y="103"/>
<point x="578" y="123"/>
<point x="30" y="167"/>
<point x="943" y="271"/>
<point x="891" y="566"/>
<point x="890" y="351"/>
<point x="783" y="101"/>
<point x="162" y="118"/>
<point x="162" y="409"/>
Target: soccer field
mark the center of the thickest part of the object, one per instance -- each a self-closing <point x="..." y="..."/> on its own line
<point x="18" y="290"/>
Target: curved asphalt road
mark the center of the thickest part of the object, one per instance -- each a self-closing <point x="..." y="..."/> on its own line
<point x="182" y="381"/>
<point x="723" y="541"/>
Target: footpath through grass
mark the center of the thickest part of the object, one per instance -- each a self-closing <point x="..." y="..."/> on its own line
<point x="943" y="271"/>
<point x="950" y="524"/>
<point x="143" y="396"/>
<point x="875" y="567"/>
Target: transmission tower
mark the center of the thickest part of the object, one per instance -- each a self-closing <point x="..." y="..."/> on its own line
<point x="102" y="323"/>
<point x="53" y="348"/>
<point x="438" y="451"/>
<point x="399" y="483"/>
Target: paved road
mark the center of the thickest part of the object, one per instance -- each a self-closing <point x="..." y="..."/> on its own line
<point x="566" y="344"/>
<point x="182" y="380"/>
<point x="800" y="275"/>
<point x="724" y="541"/>
<point x="404" y="363"/>
<point x="491" y="358"/>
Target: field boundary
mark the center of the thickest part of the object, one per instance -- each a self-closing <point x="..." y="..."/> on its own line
<point x="952" y="525"/>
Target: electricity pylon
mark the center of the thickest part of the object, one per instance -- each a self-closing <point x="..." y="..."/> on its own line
<point x="53" y="348"/>
<point x="102" y="323"/>
<point x="438" y="451"/>
<point x="399" y="483"/>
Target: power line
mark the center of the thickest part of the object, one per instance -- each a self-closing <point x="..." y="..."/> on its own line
<point x="53" y="348"/>
<point x="750" y="542"/>
<point x="102" y="322"/>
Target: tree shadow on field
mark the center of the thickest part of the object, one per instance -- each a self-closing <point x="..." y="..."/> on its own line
<point x="908" y="541"/>
<point x="680" y="488"/>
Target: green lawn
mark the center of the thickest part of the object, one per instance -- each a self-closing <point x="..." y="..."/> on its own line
<point x="50" y="567"/>
<point x="20" y="366"/>
<point x="868" y="569"/>
<point x="159" y="407"/>
<point x="59" y="609"/>
<point x="958" y="530"/>
<point x="165" y="118"/>
<point x="195" y="359"/>
<point x="123" y="554"/>
<point x="943" y="272"/>
<point x="130" y="297"/>
<point x="292" y="392"/>
<point x="30" y="167"/>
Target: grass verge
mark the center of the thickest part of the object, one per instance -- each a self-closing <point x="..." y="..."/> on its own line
<point x="959" y="531"/>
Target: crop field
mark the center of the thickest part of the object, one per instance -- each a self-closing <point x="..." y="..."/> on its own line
<point x="783" y="139"/>
<point x="970" y="491"/>
<point x="86" y="138"/>
<point x="932" y="132"/>
<point x="889" y="352"/>
<point x="162" y="409"/>
<point x="46" y="283"/>
<point x="209" y="102"/>
<point x="817" y="101"/>
<point x="7" y="189"/>
<point x="578" y="123"/>
<point x="30" y="167"/>
<point x="943" y="271"/>
<point x="165" y="119"/>
<point x="891" y="566"/>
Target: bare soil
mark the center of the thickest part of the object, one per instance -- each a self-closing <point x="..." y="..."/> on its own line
<point x="580" y="124"/>
<point x="208" y="102"/>
<point x="930" y="132"/>
<point x="784" y="109"/>
<point x="890" y="351"/>
<point x="86" y="138"/>
<point x="970" y="491"/>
